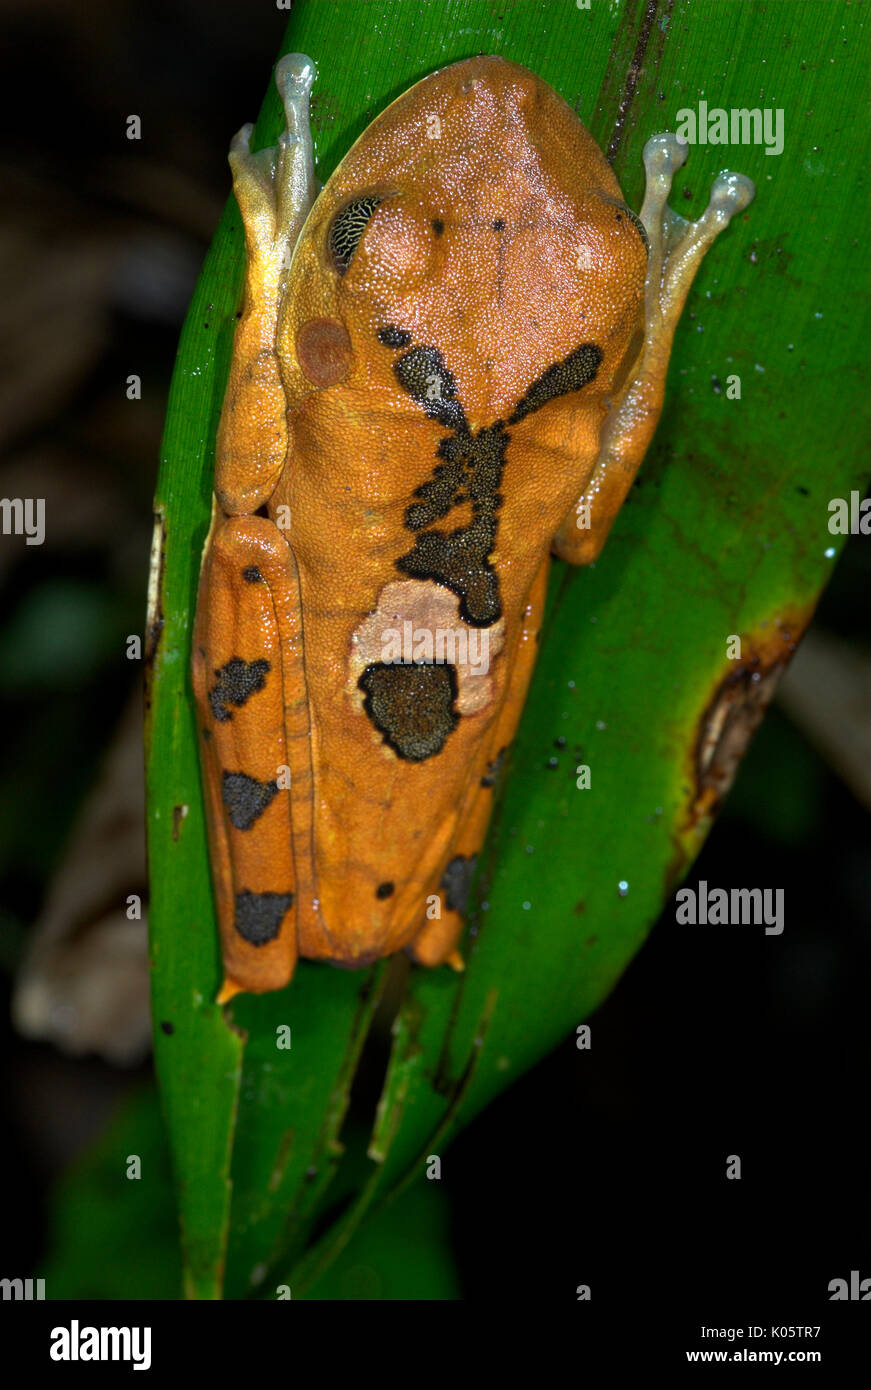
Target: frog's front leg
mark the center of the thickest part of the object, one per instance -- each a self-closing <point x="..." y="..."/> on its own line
<point x="275" y="189"/>
<point x="676" y="249"/>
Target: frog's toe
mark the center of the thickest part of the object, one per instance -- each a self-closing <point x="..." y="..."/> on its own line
<point x="663" y="155"/>
<point x="294" y="76"/>
<point x="731" y="193"/>
<point x="241" y="142"/>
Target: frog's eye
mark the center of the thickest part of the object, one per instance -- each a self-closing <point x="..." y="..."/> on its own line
<point x="347" y="228"/>
<point x="638" y="225"/>
<point x="622" y="212"/>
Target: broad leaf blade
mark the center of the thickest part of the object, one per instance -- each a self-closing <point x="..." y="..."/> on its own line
<point x="725" y="535"/>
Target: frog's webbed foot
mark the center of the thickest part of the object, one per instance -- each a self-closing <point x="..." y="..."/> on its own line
<point x="675" y="250"/>
<point x="676" y="245"/>
<point x="275" y="189"/>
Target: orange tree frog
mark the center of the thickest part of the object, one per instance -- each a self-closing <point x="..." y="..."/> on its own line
<point x="449" y="363"/>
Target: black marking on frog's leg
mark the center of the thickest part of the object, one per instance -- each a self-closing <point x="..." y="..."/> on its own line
<point x="259" y="915"/>
<point x="499" y="224"/>
<point x="245" y="798"/>
<point x="570" y="374"/>
<point x="385" y="890"/>
<point x="393" y="337"/>
<point x="412" y="706"/>
<point x="251" y="574"/>
<point x="237" y="682"/>
<point x="493" y="769"/>
<point x="437" y="225"/>
<point x="423" y="374"/>
<point x="457" y="883"/>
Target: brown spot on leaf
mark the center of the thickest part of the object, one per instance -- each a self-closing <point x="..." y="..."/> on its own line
<point x="734" y="711"/>
<point x="154" y="618"/>
<point x="741" y="693"/>
<point x="178" y="815"/>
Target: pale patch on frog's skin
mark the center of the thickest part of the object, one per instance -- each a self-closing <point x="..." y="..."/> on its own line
<point x="428" y="607"/>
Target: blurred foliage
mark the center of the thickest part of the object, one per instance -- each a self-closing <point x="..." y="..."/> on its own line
<point x="115" y="1236"/>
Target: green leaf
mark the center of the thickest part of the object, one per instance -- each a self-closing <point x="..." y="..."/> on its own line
<point x="279" y="1155"/>
<point x="402" y="1254"/>
<point x="113" y="1228"/>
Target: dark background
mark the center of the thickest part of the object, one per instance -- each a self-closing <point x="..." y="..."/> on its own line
<point x="598" y="1167"/>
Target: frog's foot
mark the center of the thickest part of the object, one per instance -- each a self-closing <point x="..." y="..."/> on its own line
<point x="675" y="251"/>
<point x="676" y="245"/>
<point x="276" y="187"/>
<point x="436" y="942"/>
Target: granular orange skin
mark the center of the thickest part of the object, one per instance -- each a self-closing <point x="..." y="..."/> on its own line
<point x="497" y="237"/>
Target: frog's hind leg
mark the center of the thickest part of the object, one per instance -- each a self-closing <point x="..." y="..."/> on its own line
<point x="275" y="189"/>
<point x="247" y="660"/>
<point x="676" y="249"/>
<point x="436" y="941"/>
<point x="254" y="737"/>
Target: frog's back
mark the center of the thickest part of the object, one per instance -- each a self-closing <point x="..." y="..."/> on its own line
<point x="460" y="298"/>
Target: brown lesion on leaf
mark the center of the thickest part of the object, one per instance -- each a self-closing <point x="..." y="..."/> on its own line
<point x="154" y="618"/>
<point x="285" y="1148"/>
<point x="740" y="695"/>
<point x="179" y="813"/>
<point x="735" y="709"/>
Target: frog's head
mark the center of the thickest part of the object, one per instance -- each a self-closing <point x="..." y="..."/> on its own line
<point x="476" y="216"/>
